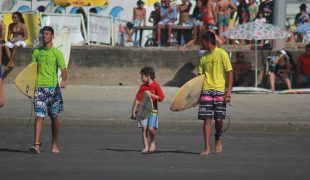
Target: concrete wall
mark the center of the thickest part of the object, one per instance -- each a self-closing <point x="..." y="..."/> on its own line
<point x="120" y="66"/>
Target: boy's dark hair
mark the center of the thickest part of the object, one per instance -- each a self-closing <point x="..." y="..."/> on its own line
<point x="48" y="28"/>
<point x="303" y="7"/>
<point x="209" y="37"/>
<point x="140" y="2"/>
<point x="148" y="71"/>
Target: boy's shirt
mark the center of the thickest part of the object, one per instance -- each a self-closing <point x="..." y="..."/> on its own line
<point x="215" y="65"/>
<point x="154" y="88"/>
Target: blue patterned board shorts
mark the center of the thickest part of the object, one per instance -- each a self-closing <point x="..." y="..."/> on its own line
<point x="151" y="121"/>
<point x="212" y="105"/>
<point x="48" y="99"/>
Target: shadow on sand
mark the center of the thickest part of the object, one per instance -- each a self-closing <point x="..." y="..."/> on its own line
<point x="156" y="152"/>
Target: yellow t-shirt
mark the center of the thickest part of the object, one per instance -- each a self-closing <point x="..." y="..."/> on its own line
<point x="215" y="65"/>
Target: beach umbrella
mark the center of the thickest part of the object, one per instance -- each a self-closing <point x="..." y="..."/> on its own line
<point x="256" y="31"/>
<point x="303" y="28"/>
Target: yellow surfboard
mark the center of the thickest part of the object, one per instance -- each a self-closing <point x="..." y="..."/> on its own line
<point x="26" y="80"/>
<point x="188" y="95"/>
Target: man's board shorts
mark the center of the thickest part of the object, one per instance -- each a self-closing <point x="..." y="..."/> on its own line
<point x="48" y="99"/>
<point x="18" y="43"/>
<point x="212" y="105"/>
<point x="151" y="121"/>
<point x="223" y="19"/>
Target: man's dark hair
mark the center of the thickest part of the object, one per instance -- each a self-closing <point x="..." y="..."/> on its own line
<point x="209" y="37"/>
<point x="140" y="3"/>
<point x="303" y="7"/>
<point x="308" y="46"/>
<point x="48" y="28"/>
<point x="148" y="71"/>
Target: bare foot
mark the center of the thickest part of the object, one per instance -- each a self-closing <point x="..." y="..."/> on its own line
<point x="218" y="146"/>
<point x="152" y="148"/>
<point x="35" y="149"/>
<point x="145" y="150"/>
<point x="11" y="64"/>
<point x="129" y="40"/>
<point x="205" y="153"/>
<point x="55" y="149"/>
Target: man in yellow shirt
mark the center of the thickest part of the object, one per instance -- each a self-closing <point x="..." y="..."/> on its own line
<point x="216" y="66"/>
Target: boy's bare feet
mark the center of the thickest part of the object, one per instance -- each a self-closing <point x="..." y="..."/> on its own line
<point x="218" y="146"/>
<point x="153" y="147"/>
<point x="145" y="150"/>
<point x="35" y="149"/>
<point x="55" y="149"/>
<point x="205" y="153"/>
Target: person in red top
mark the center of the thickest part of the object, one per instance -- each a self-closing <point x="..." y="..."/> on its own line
<point x="150" y="124"/>
<point x="304" y="67"/>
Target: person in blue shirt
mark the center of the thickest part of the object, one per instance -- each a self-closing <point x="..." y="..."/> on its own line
<point x="168" y="16"/>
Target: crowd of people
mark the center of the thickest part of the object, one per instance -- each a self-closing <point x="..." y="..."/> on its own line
<point x="217" y="13"/>
<point x="215" y="64"/>
<point x="280" y="69"/>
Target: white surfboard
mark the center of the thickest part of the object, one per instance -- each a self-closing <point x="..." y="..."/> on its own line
<point x="63" y="43"/>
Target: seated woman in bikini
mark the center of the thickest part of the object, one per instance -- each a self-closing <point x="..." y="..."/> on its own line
<point x="16" y="37"/>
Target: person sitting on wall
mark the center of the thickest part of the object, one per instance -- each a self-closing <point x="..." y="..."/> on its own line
<point x="168" y="16"/>
<point x="243" y="73"/>
<point x="139" y="19"/>
<point x="155" y="17"/>
<point x="281" y="69"/>
<point x="17" y="35"/>
<point x="303" y="69"/>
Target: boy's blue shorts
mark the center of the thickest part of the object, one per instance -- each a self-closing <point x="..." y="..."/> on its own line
<point x="151" y="121"/>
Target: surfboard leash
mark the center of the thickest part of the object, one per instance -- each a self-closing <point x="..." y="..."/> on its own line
<point x="27" y="127"/>
<point x="228" y="125"/>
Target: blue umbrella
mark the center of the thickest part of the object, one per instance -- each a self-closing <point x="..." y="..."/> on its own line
<point x="303" y="28"/>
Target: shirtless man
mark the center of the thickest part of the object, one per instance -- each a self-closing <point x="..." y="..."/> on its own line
<point x="184" y="9"/>
<point x="210" y="13"/>
<point x="223" y="11"/>
<point x="139" y="18"/>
